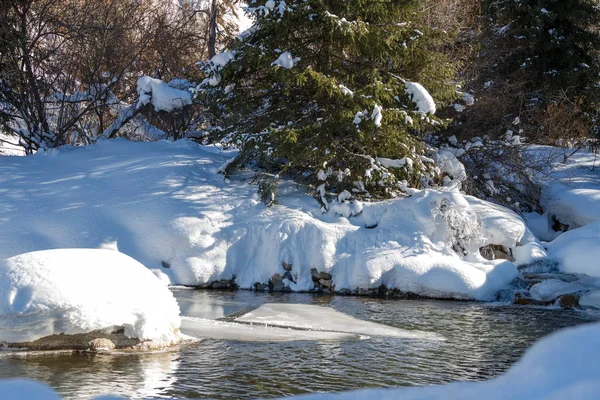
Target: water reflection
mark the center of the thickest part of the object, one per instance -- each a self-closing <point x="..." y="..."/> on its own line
<point x="86" y="375"/>
<point x="482" y="341"/>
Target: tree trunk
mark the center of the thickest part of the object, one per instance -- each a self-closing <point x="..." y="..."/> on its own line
<point x="212" y="34"/>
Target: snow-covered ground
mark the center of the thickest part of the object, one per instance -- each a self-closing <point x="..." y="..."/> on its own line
<point x="74" y="291"/>
<point x="166" y="205"/>
<point x="563" y="365"/>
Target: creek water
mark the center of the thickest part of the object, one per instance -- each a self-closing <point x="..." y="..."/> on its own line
<point x="482" y="340"/>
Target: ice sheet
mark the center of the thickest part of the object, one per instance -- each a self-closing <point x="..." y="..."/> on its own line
<point x="317" y="318"/>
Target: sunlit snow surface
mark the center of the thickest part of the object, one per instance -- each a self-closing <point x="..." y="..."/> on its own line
<point x="167" y="206"/>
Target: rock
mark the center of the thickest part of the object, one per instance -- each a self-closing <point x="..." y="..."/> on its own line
<point x="326" y="283"/>
<point x="97" y="341"/>
<point x="101" y="344"/>
<point x="345" y="292"/>
<point x="325" y="276"/>
<point x="288" y="276"/>
<point x="222" y="284"/>
<point x="286" y="266"/>
<point x="275" y="279"/>
<point x="261" y="287"/>
<point x="568" y="301"/>
<point x="496" y="252"/>
<point x="315" y="274"/>
<point x="528" y="301"/>
<point x="279" y="286"/>
<point x="558" y="226"/>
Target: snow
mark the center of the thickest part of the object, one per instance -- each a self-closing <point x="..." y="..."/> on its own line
<point x="377" y="115"/>
<point x="9" y="145"/>
<point x="571" y="189"/>
<point x="578" y="250"/>
<point x="162" y="96"/>
<point x="448" y="163"/>
<point x="26" y="389"/>
<point x="165" y="204"/>
<point x="562" y="365"/>
<point x="285" y="60"/>
<point x="590" y="300"/>
<point x="222" y="59"/>
<point x="81" y="290"/>
<point x="550" y="289"/>
<point x="421" y="97"/>
<point x="325" y="319"/>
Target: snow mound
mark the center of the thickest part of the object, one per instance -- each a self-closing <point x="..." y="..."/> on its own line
<point x="578" y="250"/>
<point x="23" y="389"/>
<point x="562" y="365"/>
<point x="162" y="96"/>
<point x="421" y="97"/>
<point x="166" y="205"/>
<point x="74" y="291"/>
<point x="571" y="188"/>
<point x="317" y="318"/>
<point x="550" y="289"/>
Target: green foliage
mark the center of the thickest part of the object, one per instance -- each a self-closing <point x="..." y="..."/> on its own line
<point x="557" y="43"/>
<point x="317" y="121"/>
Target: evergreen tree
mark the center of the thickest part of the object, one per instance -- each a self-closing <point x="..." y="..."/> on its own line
<point x="557" y="43"/>
<point x="322" y="90"/>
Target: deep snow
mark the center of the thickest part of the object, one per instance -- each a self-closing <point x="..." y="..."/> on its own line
<point x="82" y="290"/>
<point x="166" y="205"/>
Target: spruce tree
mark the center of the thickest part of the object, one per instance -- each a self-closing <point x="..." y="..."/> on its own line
<point x="326" y="92"/>
<point x="556" y="43"/>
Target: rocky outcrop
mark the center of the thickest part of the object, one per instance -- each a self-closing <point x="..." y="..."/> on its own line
<point x="98" y="341"/>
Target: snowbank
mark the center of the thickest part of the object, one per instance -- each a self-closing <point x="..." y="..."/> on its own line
<point x="26" y="389"/>
<point x="563" y="365"/>
<point x="75" y="291"/>
<point x="578" y="250"/>
<point x="166" y="205"/>
<point x="571" y="189"/>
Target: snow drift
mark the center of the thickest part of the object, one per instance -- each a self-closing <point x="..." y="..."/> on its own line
<point x="166" y="205"/>
<point x="81" y="290"/>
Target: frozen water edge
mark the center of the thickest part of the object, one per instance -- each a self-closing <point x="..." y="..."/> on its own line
<point x="276" y="322"/>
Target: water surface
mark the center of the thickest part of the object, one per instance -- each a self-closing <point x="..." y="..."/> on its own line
<point x="482" y="341"/>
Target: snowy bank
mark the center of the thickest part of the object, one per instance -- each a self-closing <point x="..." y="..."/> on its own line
<point x="571" y="188"/>
<point x="578" y="250"/>
<point x="78" y="291"/>
<point x="166" y="205"/>
<point x="563" y="365"/>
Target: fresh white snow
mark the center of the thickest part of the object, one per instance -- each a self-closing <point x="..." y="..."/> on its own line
<point x="162" y="96"/>
<point x="81" y="290"/>
<point x="285" y="60"/>
<point x="578" y="250"/>
<point x="166" y="205"/>
<point x="421" y="97"/>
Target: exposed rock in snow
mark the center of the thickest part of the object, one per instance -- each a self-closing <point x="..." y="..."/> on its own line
<point x="421" y="97"/>
<point x="77" y="291"/>
<point x="162" y="96"/>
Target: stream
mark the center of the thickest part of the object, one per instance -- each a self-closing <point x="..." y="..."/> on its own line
<point x="480" y="341"/>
